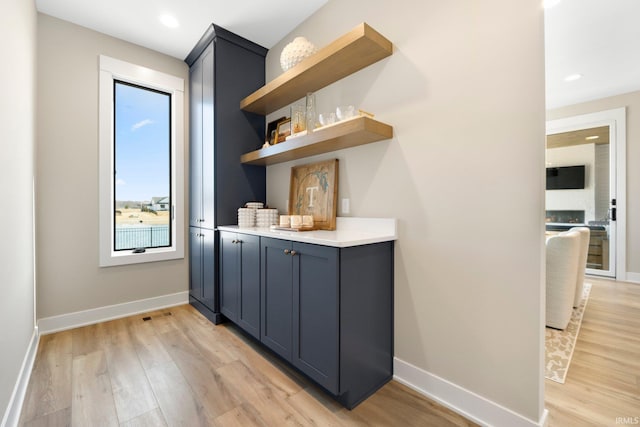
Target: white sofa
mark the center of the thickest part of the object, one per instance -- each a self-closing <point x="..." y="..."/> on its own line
<point x="585" y="236"/>
<point x="563" y="253"/>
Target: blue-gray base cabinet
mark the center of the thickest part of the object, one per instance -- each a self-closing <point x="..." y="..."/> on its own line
<point x="329" y="312"/>
<point x="202" y="275"/>
<point x="239" y="269"/>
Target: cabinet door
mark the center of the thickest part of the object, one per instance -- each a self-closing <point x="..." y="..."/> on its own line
<point x="229" y="275"/>
<point x="315" y="313"/>
<point x="276" y="286"/>
<point x="195" y="263"/>
<point x="208" y="152"/>
<point x="209" y="269"/>
<point x="195" y="144"/>
<point x="249" y="292"/>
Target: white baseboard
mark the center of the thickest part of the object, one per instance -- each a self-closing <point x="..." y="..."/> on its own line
<point x="544" y="421"/>
<point x="63" y="322"/>
<point x="467" y="403"/>
<point x="12" y="414"/>
<point x="633" y="277"/>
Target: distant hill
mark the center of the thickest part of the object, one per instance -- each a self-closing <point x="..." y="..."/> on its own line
<point x="132" y="204"/>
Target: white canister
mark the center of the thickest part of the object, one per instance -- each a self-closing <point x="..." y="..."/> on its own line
<point x="296" y="221"/>
<point x="307" y="220"/>
<point x="285" y="221"/>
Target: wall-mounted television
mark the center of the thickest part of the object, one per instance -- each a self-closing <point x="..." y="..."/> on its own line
<point x="565" y="178"/>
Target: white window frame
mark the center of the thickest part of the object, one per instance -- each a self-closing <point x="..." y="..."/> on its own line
<point x="113" y="69"/>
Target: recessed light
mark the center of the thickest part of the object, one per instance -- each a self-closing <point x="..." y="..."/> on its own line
<point x="548" y="4"/>
<point x="592" y="137"/>
<point x="169" y="21"/>
<point x="573" y="77"/>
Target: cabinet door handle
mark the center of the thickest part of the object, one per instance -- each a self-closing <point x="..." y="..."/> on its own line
<point x="234" y="241"/>
<point x="287" y="251"/>
<point x="294" y="253"/>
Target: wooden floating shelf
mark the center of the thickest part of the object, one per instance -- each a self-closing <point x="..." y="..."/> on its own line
<point x="354" y="51"/>
<point x="350" y="133"/>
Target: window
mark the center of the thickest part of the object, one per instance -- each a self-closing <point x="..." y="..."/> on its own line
<point x="141" y="164"/>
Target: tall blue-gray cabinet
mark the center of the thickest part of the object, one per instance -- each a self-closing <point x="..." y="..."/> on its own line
<point x="240" y="280"/>
<point x="224" y="68"/>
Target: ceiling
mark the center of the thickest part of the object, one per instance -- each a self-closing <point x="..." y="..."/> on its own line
<point x="264" y="22"/>
<point x="599" y="39"/>
<point x="597" y="135"/>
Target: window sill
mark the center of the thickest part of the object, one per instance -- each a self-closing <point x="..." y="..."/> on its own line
<point x="150" y="255"/>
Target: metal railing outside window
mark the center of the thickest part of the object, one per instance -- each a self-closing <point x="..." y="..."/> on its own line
<point x="142" y="237"/>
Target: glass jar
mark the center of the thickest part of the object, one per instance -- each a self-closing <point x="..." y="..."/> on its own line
<point x="298" y="119"/>
<point x="311" y="112"/>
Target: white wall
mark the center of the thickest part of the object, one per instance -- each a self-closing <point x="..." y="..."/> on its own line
<point x="464" y="175"/>
<point x="17" y="137"/>
<point x="632" y="102"/>
<point x="574" y="200"/>
<point x="67" y="175"/>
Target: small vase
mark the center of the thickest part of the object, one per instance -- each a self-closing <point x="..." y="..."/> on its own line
<point x="299" y="49"/>
<point x="298" y="119"/>
<point x="311" y="112"/>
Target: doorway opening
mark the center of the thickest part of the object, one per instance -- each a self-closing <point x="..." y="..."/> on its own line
<point x="586" y="185"/>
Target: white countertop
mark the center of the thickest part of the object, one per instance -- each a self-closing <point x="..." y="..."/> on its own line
<point x="349" y="232"/>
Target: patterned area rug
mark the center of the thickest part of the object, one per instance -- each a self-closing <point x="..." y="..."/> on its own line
<point x="559" y="345"/>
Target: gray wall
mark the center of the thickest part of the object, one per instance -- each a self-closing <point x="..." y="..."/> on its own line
<point x="463" y="174"/>
<point x="17" y="140"/>
<point x="632" y="102"/>
<point x="67" y="175"/>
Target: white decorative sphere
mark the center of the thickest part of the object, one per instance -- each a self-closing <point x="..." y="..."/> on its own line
<point x="299" y="49"/>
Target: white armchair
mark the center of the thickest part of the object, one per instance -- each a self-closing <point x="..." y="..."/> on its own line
<point x="585" y="236"/>
<point x="563" y="252"/>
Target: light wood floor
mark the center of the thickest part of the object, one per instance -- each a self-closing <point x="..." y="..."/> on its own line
<point x="177" y="369"/>
<point x="603" y="381"/>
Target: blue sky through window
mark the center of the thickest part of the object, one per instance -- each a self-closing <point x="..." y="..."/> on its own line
<point x="142" y="143"/>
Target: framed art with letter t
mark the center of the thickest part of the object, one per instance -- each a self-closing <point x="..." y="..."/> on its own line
<point x="313" y="190"/>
